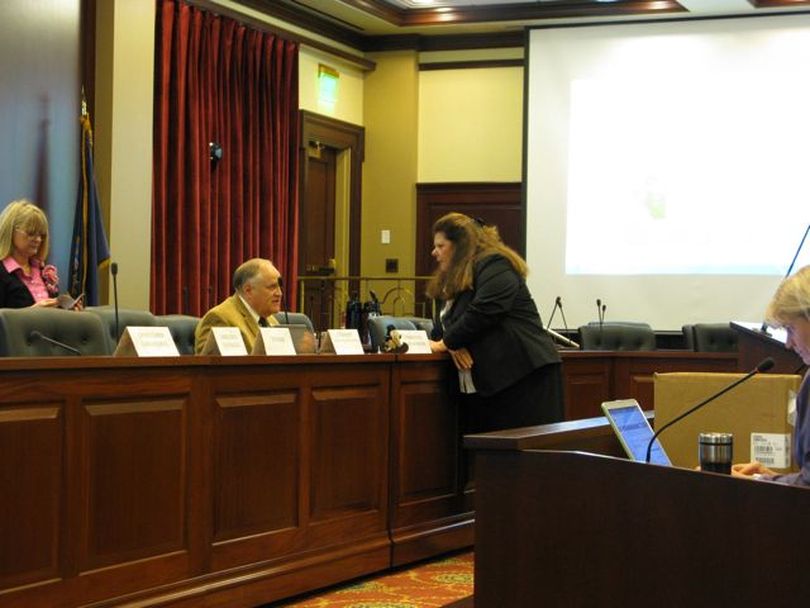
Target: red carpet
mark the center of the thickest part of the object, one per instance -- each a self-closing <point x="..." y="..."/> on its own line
<point x="433" y="584"/>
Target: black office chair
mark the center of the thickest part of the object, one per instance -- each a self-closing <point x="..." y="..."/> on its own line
<point x="25" y="332"/>
<point x="294" y="318"/>
<point x="182" y="328"/>
<point x="688" y="337"/>
<point x="126" y="317"/>
<point x="616" y="336"/>
<point x="715" y="338"/>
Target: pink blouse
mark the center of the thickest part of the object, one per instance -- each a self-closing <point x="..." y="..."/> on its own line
<point x="33" y="281"/>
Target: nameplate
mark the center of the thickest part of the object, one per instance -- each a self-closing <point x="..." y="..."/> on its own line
<point x="274" y="341"/>
<point x="146" y="342"/>
<point x="225" y="341"/>
<point x="417" y="341"/>
<point x="342" y="342"/>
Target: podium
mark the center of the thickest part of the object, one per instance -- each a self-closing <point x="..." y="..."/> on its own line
<point x="755" y="345"/>
<point x="567" y="528"/>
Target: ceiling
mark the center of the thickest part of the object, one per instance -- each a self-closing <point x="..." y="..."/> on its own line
<point x="376" y="24"/>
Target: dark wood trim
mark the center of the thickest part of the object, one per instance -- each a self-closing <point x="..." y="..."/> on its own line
<point x="471" y="65"/>
<point x="310" y="19"/>
<point x="531" y="11"/>
<point x="339" y="135"/>
<point x="355" y="60"/>
<point x="512" y="12"/>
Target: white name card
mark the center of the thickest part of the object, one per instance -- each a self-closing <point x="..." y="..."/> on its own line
<point x="225" y="341"/>
<point x="146" y="342"/>
<point x="417" y="341"/>
<point x="342" y="342"/>
<point x="274" y="341"/>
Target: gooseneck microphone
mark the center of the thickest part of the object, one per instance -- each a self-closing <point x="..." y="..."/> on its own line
<point x="557" y="304"/>
<point x="565" y="323"/>
<point x="37" y="335"/>
<point x="763" y="366"/>
<point x="114" y="272"/>
<point x="790" y="268"/>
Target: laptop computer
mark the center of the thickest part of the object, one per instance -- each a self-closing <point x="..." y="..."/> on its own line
<point x="634" y="431"/>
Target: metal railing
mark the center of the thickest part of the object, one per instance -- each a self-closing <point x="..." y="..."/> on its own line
<point x="324" y="298"/>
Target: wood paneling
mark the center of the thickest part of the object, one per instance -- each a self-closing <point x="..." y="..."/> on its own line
<point x="222" y="481"/>
<point x="143" y="442"/>
<point x="257" y="450"/>
<point x="31" y="453"/>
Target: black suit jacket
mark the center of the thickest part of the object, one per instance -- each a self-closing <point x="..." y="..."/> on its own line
<point x="13" y="292"/>
<point x="498" y="322"/>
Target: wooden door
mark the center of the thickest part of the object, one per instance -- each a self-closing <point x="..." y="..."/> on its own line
<point x="317" y="233"/>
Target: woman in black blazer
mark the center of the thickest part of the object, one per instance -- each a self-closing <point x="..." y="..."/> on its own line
<point x="508" y="366"/>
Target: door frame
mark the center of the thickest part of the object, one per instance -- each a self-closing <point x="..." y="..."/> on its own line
<point x="341" y="136"/>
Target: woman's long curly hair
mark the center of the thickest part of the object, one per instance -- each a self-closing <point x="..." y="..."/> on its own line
<point x="472" y="241"/>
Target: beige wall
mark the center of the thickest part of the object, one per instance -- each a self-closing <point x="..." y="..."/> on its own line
<point x="470" y="125"/>
<point x="123" y="139"/>
<point x="389" y="172"/>
<point x="349" y="106"/>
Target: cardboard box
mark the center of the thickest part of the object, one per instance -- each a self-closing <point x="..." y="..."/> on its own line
<point x="756" y="412"/>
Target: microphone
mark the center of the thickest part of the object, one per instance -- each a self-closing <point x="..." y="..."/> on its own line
<point x="565" y="323"/>
<point x="764" y="327"/>
<point x="763" y="366"/>
<point x="561" y="338"/>
<point x="599" y="312"/>
<point x="553" y="311"/>
<point x="604" y="308"/>
<point x="37" y="335"/>
<point x="114" y="271"/>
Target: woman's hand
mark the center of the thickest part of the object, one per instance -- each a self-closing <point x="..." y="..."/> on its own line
<point x="437" y="347"/>
<point x="462" y="358"/>
<point x="46" y="303"/>
<point x="749" y="469"/>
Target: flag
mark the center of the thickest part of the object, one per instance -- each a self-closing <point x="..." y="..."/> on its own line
<point x="88" y="247"/>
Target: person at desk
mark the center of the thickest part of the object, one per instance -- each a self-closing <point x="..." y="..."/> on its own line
<point x="25" y="279"/>
<point x="257" y="296"/>
<point x="790" y="308"/>
<point x="508" y="366"/>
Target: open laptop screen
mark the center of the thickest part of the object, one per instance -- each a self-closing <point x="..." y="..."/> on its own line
<point x="633" y="431"/>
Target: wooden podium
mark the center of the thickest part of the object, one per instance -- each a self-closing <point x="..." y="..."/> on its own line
<point x="755" y="345"/>
<point x="558" y="528"/>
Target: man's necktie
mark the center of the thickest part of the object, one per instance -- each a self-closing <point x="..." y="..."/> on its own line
<point x="263" y="322"/>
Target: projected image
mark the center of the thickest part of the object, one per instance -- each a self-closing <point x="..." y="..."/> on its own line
<point x="670" y="177"/>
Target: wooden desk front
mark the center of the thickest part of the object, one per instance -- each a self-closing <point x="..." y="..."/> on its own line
<point x="202" y="481"/>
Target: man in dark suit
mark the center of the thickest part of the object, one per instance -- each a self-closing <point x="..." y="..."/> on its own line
<point x="257" y="296"/>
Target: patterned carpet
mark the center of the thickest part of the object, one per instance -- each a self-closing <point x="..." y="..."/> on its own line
<point x="427" y="585"/>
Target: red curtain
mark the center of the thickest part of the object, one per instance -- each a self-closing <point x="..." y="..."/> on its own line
<point x="217" y="80"/>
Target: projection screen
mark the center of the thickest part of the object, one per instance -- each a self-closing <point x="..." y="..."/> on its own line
<point x="667" y="167"/>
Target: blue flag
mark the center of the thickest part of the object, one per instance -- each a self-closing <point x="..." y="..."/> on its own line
<point x="88" y="248"/>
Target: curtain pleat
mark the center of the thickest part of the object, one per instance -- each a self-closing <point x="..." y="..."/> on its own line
<point x="217" y="80"/>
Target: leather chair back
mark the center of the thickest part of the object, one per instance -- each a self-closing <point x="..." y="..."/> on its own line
<point x="80" y="330"/>
<point x="182" y="329"/>
<point x="715" y="338"/>
<point x="688" y="337"/>
<point x="378" y="328"/>
<point x="126" y="317"/>
<point x="616" y="337"/>
<point x="422" y="323"/>
<point x="295" y="318"/>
